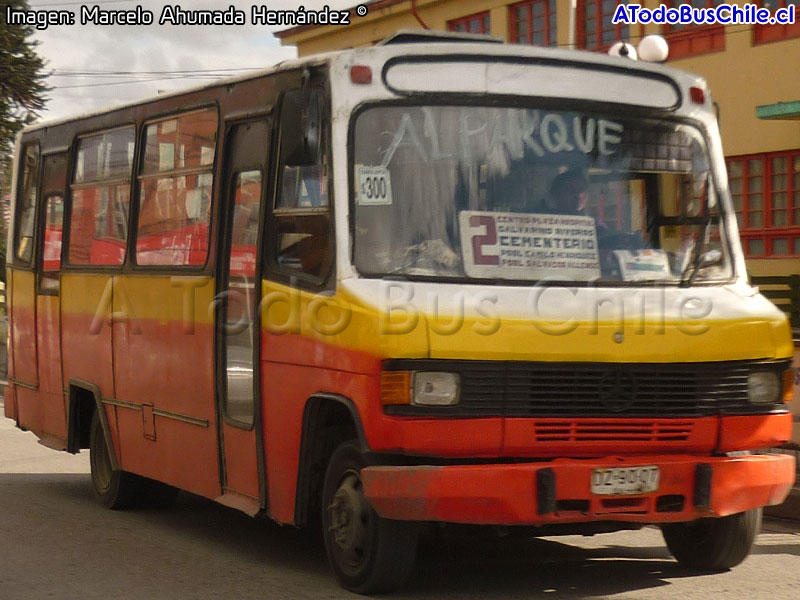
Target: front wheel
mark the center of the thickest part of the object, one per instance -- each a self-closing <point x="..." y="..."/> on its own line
<point x="368" y="553"/>
<point x="713" y="544"/>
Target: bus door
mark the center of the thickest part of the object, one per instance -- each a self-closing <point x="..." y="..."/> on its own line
<point x="48" y="300"/>
<point x="23" y="370"/>
<point x="238" y="389"/>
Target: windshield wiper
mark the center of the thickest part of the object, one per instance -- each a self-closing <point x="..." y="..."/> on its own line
<point x="698" y="261"/>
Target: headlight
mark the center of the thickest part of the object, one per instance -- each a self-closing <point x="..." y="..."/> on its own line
<point x="435" y="389"/>
<point x="763" y="388"/>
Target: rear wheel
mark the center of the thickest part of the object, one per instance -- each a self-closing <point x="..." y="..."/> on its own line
<point x="117" y="489"/>
<point x="368" y="553"/>
<point x="713" y="544"/>
<point x="111" y="488"/>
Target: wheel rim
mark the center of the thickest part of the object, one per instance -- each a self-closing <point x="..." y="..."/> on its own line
<point x="351" y="524"/>
<point x="101" y="463"/>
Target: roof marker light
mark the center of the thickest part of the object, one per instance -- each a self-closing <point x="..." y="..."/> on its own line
<point x="697" y="95"/>
<point x="361" y="74"/>
<point x="623" y="50"/>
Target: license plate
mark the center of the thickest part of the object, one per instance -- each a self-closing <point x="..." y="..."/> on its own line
<point x="625" y="480"/>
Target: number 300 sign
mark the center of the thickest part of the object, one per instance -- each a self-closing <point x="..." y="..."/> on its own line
<point x="374" y="185"/>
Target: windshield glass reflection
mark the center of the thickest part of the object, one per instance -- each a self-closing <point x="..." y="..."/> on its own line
<point x="526" y="194"/>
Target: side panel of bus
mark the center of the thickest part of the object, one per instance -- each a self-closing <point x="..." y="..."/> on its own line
<point x="130" y="315"/>
<point x="22" y="297"/>
<point x="164" y="379"/>
<point x="86" y="308"/>
<point x="163" y="334"/>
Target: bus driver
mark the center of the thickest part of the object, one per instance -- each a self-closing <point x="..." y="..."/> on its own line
<point x="568" y="194"/>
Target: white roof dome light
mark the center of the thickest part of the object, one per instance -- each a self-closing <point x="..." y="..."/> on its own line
<point x="653" y="48"/>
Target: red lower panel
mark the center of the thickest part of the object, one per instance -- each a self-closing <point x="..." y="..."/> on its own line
<point x="298" y="350"/>
<point x="603" y="436"/>
<point x="9" y="403"/>
<point x="748" y="433"/>
<point x="440" y="437"/>
<point x="241" y="460"/>
<point x="29" y="409"/>
<point x="507" y="494"/>
<point x="48" y="335"/>
<point x="285" y="391"/>
<point x="183" y="454"/>
<point x="161" y="365"/>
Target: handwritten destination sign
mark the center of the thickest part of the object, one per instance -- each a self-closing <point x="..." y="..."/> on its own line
<point x="473" y="133"/>
<point x="528" y="246"/>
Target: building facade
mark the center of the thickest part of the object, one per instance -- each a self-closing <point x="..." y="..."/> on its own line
<point x="749" y="69"/>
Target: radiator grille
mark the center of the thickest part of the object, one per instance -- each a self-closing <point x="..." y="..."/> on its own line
<point x="578" y="390"/>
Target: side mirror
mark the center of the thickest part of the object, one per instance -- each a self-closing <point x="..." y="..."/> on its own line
<point x="301" y="125"/>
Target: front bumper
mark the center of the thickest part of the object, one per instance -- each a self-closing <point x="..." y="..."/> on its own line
<point x="559" y="491"/>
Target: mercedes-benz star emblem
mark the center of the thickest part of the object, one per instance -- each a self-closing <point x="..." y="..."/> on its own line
<point x="617" y="390"/>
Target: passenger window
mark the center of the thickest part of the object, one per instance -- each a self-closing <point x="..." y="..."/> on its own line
<point x="101" y="198"/>
<point x="175" y="190"/>
<point x="53" y="225"/>
<point x="245" y="224"/>
<point x="27" y="205"/>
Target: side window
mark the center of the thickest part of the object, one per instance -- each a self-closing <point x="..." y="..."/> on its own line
<point x="247" y="198"/>
<point x="53" y="225"/>
<point x="175" y="190"/>
<point x="303" y="240"/>
<point x="101" y="198"/>
<point x="26" y="204"/>
<point x="303" y="187"/>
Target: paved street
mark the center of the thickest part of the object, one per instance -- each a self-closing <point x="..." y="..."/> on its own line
<point x="56" y="542"/>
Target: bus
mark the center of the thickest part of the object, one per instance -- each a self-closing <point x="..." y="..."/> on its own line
<point x="412" y="284"/>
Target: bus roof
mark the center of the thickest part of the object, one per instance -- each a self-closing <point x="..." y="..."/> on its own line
<point x="384" y="52"/>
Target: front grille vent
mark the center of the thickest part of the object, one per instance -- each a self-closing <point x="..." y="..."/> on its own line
<point x="612" y="431"/>
<point x="579" y="390"/>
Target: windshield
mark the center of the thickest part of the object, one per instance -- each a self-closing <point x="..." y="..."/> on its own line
<point x="522" y="194"/>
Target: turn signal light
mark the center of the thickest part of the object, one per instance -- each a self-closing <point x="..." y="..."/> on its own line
<point x="787" y="385"/>
<point x="395" y="387"/>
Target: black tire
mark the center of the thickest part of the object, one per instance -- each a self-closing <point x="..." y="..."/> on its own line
<point x="713" y="544"/>
<point x="368" y="553"/>
<point x="117" y="489"/>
